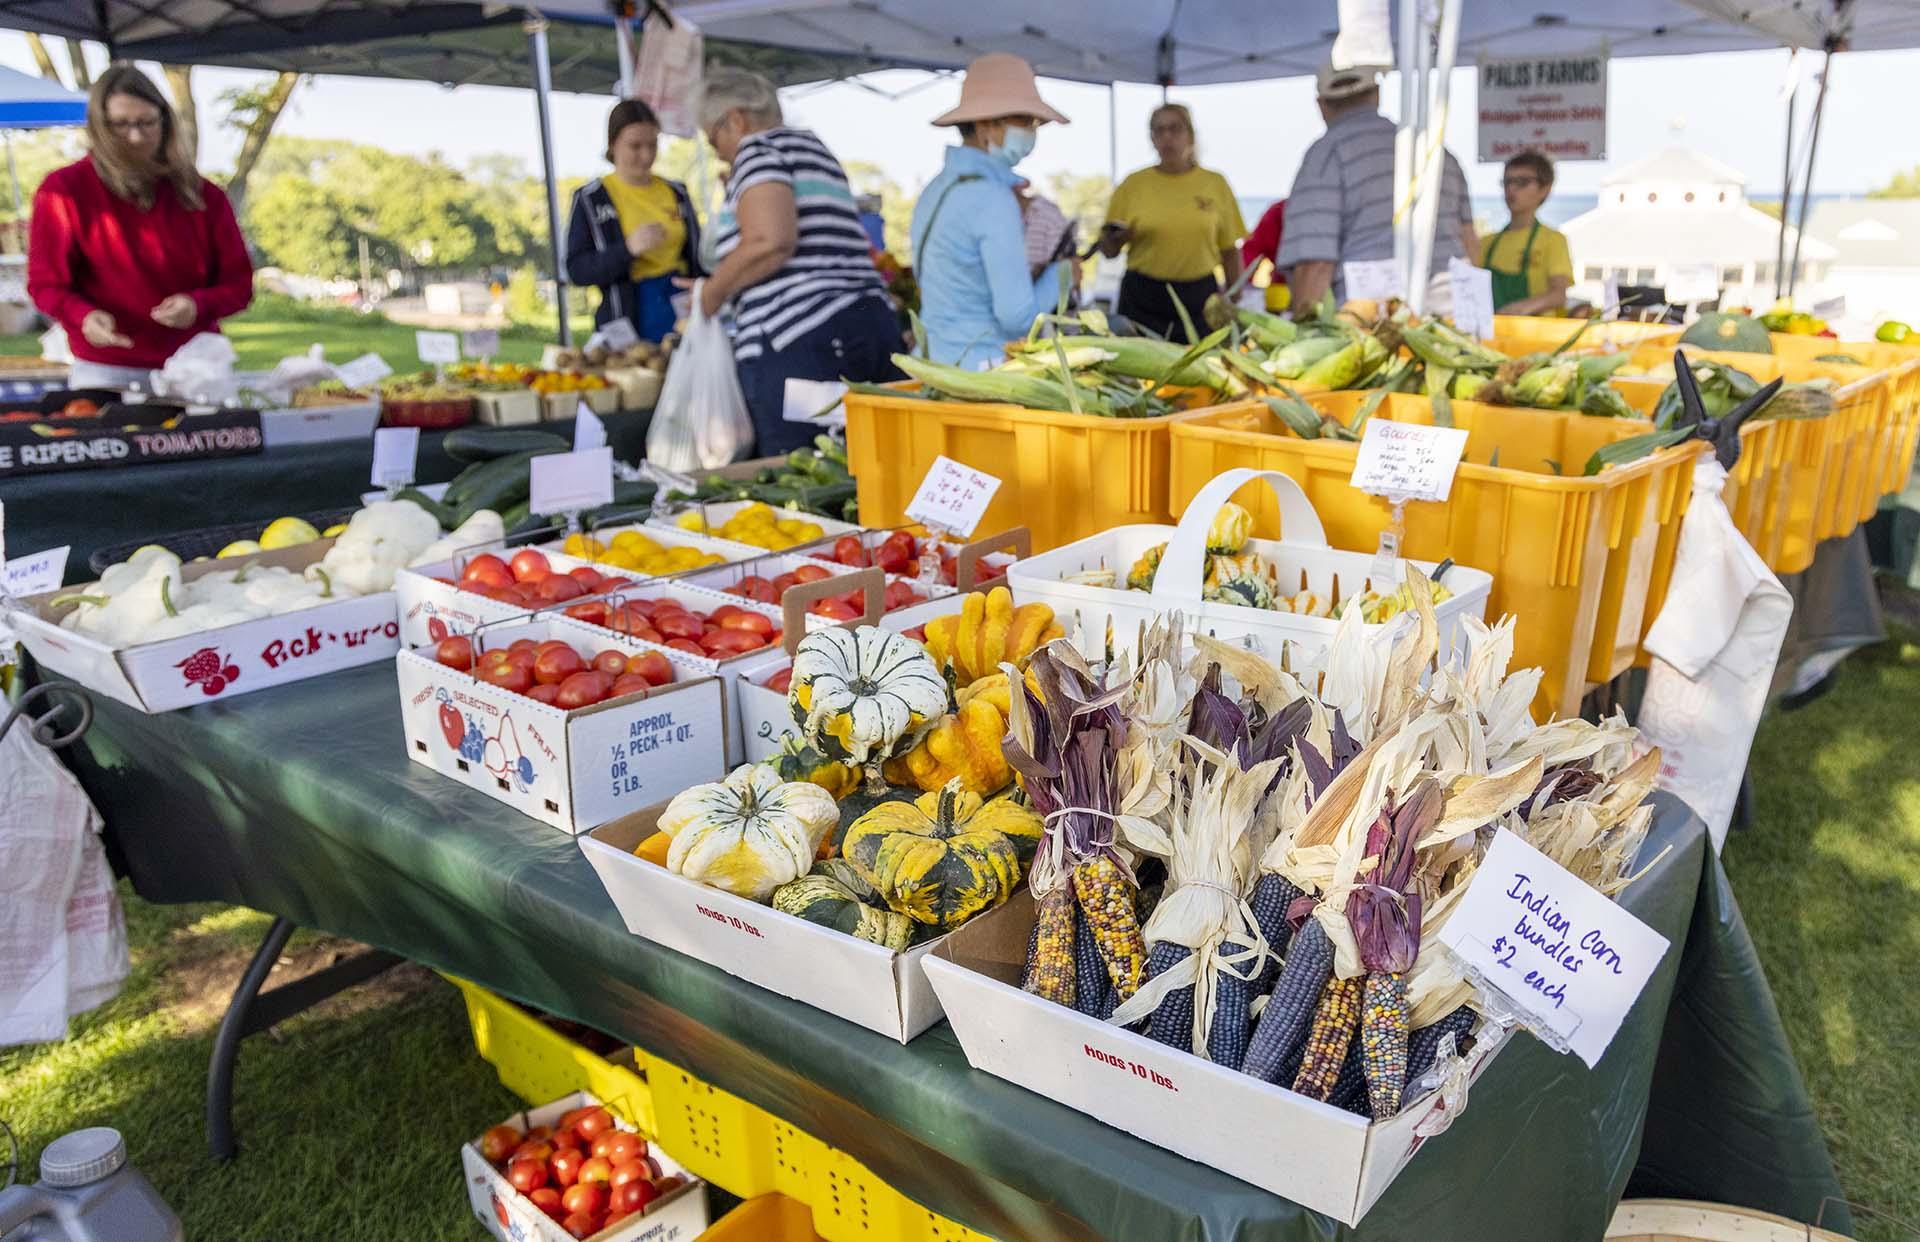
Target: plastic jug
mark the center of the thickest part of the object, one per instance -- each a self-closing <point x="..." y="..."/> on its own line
<point x="87" y="1192"/>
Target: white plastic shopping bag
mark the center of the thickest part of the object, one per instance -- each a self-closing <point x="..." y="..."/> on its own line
<point x="63" y="937"/>
<point x="201" y="370"/>
<point x="1714" y="646"/>
<point x="700" y="420"/>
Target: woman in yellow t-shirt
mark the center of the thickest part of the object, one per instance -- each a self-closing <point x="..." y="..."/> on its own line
<point x="1531" y="267"/>
<point x="1177" y="222"/>
<point x="632" y="233"/>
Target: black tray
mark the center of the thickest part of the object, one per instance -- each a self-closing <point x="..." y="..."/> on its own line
<point x="123" y="435"/>
<point x="207" y="540"/>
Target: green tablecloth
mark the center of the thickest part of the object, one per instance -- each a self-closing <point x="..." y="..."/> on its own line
<point x="90" y="509"/>
<point x="300" y="801"/>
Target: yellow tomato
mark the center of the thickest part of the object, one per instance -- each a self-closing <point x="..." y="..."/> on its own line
<point x="621" y="558"/>
<point x="634" y="541"/>
<point x="582" y="545"/>
<point x="654" y="563"/>
<point x="695" y="521"/>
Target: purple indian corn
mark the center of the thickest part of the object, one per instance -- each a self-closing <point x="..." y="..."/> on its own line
<point x="1172" y="1020"/>
<point x="1272" y="894"/>
<point x="1228" y="1037"/>
<point x="1424" y="1044"/>
<point x="1283" y="1023"/>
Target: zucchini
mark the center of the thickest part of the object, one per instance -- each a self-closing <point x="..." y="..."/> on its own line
<point x="495" y="484"/>
<point x="441" y="513"/>
<point x="472" y="444"/>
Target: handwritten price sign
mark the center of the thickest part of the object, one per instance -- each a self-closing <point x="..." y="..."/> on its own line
<point x="1407" y="461"/>
<point x="1568" y="958"/>
<point x="953" y="497"/>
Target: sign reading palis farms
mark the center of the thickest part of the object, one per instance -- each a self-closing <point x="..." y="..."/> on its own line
<point x="1555" y="104"/>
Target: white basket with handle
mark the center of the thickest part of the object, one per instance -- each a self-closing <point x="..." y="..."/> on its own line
<point x="1094" y="616"/>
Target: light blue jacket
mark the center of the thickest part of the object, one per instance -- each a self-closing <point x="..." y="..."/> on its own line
<point x="975" y="293"/>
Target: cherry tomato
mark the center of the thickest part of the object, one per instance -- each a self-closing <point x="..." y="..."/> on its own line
<point x="523" y="644"/>
<point x="780" y="584"/>
<point x="456" y="652"/>
<point x="529" y="565"/>
<point x="899" y="595"/>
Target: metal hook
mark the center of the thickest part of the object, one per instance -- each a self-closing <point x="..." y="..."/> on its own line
<point x="44" y="729"/>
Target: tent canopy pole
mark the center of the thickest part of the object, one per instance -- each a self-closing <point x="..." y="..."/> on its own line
<point x="1806" y="184"/>
<point x="543" y="95"/>
<point x="1786" y="187"/>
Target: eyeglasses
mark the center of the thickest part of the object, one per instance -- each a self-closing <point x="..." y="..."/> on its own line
<point x="1519" y="183"/>
<point x="147" y="125"/>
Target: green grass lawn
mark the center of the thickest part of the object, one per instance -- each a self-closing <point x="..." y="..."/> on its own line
<point x="350" y="1115"/>
<point x="276" y="327"/>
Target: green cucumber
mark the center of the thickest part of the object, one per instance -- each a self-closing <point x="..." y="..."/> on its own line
<point x="486" y="443"/>
<point x="495" y="484"/>
<point x="441" y="513"/>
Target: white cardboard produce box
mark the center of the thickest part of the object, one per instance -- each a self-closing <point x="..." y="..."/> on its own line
<point x="719" y="512"/>
<point x="572" y="769"/>
<point x="678" y="1216"/>
<point x="1319" y="1156"/>
<point x="219" y="663"/>
<point x="864" y="983"/>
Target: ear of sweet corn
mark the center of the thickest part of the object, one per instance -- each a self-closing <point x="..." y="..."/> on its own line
<point x="1383" y="1039"/>
<point x="1107" y="896"/>
<point x="1036" y="392"/>
<point x="1346" y="366"/>
<point x="1049" y="971"/>
<point x="1334" y="1021"/>
<point x="1283" y="1023"/>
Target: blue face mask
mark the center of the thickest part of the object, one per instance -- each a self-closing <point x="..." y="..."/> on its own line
<point x="1015" y="145"/>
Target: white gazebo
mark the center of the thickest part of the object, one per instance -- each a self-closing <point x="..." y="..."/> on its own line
<point x="1680" y="209"/>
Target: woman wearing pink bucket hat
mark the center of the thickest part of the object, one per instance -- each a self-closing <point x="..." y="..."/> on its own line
<point x="969" y="249"/>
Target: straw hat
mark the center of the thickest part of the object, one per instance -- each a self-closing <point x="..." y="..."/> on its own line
<point x="998" y="84"/>
<point x="1332" y="83"/>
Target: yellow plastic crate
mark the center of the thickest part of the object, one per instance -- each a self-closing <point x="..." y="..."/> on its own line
<point x="1894" y="441"/>
<point x="1819" y="496"/>
<point x="540" y="1065"/>
<point x="1063" y="476"/>
<point x="768" y="1218"/>
<point x="1529" y="334"/>
<point x="1575" y="558"/>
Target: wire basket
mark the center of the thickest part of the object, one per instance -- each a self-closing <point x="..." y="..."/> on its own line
<point x="207" y="540"/>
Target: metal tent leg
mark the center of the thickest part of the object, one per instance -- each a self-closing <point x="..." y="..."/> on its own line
<point x="252" y="1011"/>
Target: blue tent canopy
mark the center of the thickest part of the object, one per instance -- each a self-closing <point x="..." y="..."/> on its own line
<point x="27" y="102"/>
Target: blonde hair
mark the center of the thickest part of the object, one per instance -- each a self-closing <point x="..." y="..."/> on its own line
<point x="120" y="170"/>
<point x="1186" y="119"/>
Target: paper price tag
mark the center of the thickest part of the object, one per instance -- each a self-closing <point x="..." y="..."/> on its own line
<point x="395" y="450"/>
<point x="480" y="342"/>
<point x="32" y="575"/>
<point x="1406" y="461"/>
<point x="570" y="482"/>
<point x="363" y="372"/>
<point x="437" y="347"/>
<point x="588" y="431"/>
<point x="1472" y="298"/>
<point x="1375" y="279"/>
<point x="953" y="497"/>
<point x="820" y="402"/>
<point x="1565" y="956"/>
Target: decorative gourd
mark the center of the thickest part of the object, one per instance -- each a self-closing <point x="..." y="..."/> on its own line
<point x="862" y="695"/>
<point x="944" y="857"/>
<point x="797" y="761"/>
<point x="1140" y="577"/>
<point x="963" y="746"/>
<point x="1230" y="529"/>
<point x="834" y="895"/>
<point x="748" y="834"/>
<point x="987" y="631"/>
<point x="1244" y="580"/>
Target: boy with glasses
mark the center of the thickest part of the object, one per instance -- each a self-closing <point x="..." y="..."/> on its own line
<point x="1532" y="268"/>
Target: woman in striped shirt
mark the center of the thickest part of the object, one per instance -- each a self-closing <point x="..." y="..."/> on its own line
<point x="792" y="257"/>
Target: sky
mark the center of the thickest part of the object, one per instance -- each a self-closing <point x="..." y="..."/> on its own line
<point x="1730" y="106"/>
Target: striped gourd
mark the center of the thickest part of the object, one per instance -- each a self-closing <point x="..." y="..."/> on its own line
<point x="1334" y="1021"/>
<point x="1424" y="1044"/>
<point x="1283" y="1024"/>
<point x="1383" y="1038"/>
<point x="1049" y="970"/>
<point x="1172" y="1022"/>
<point x="1272" y="894"/>
<point x="1090" y="984"/>
<point x="1231" y="1032"/>
<point x="1107" y="895"/>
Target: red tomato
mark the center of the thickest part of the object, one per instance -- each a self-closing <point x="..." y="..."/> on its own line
<point x="721" y="642"/>
<point x="899" y="595"/>
<point x="529" y="565"/>
<point x="486" y="570"/>
<point x="611" y="662"/>
<point x="633" y="1168"/>
<point x="757" y="588"/>
<point x="580" y="1225"/>
<point x="565" y="1166"/>
<point x="679" y="624"/>
<point x="642" y="608"/>
<point x="811" y="573"/>
<point x="780" y="584"/>
<point x="892" y="560"/>
<point x="614" y="582"/>
<point x="671" y="1182"/>
<point x="773" y="639"/>
<point x="527" y="1175"/>
<point x="752" y="622"/>
<point x="507" y="676"/>
<point x="651" y="665"/>
<point x="635" y="1195"/>
<point x="593" y="612"/>
<point x="455" y="653"/>
<point x="719" y="615"/>
<point x="598" y="1146"/>
<point x="544" y="694"/>
<point x="848" y="550"/>
<point x="555" y="664"/>
<point x="596" y="1169"/>
<point x="498" y="1143"/>
<point x="589" y="579"/>
<point x="653" y="1164"/>
<point x="583" y="689"/>
<point x="547" y="1199"/>
<point x="837" y="608"/>
<point x="522" y="658"/>
<point x="523" y="644"/>
<point x="566" y="1136"/>
<point x="781" y="682"/>
<point x="585" y="1198"/>
<point x="685" y="644"/>
<point x="629" y="683"/>
<point x="918" y="633"/>
<point x="557" y="588"/>
<point x="667" y="603"/>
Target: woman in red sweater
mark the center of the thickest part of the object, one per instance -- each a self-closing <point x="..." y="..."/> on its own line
<point x="132" y="251"/>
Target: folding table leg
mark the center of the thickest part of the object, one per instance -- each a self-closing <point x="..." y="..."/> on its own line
<point x="252" y="1010"/>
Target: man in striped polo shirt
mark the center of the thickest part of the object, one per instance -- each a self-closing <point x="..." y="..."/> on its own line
<point x="1341" y="207"/>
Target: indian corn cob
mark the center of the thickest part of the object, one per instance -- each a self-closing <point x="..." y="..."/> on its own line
<point x="1350" y="1089"/>
<point x="1383" y="1039"/>
<point x="1229" y="1036"/>
<point x="1049" y="970"/>
<point x="1284" y="1021"/>
<point x="1091" y="990"/>
<point x="1424" y="1044"/>
<point x="1272" y="894"/>
<point x="1172" y="1021"/>
<point x="1106" y="895"/>
<point x="1334" y="1021"/>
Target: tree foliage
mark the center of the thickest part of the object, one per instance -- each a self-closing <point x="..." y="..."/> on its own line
<point x="1904" y="185"/>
